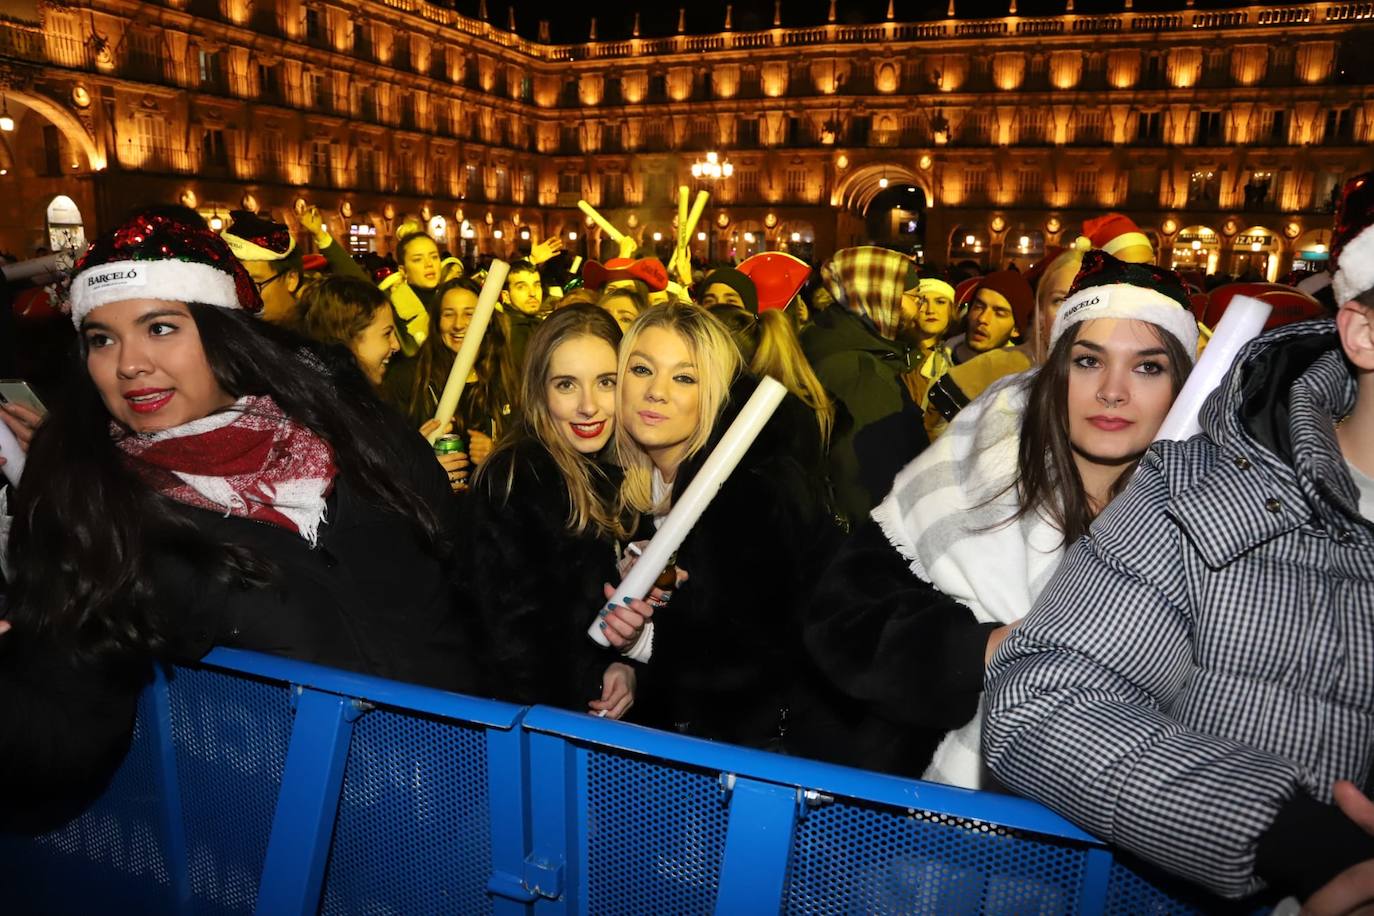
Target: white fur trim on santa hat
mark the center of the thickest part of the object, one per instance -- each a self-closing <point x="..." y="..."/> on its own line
<point x="1355" y="267"/>
<point x="1126" y="240"/>
<point x="170" y="280"/>
<point x="1125" y="300"/>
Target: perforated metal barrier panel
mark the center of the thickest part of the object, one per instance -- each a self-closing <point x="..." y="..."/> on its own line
<point x="402" y="800"/>
<point x="412" y="829"/>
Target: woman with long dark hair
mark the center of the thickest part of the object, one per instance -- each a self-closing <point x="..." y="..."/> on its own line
<point x="544" y="534"/>
<point x="208" y="480"/>
<point x="486" y="408"/>
<point x="974" y="528"/>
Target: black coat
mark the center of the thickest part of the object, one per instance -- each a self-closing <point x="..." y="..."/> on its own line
<point x="728" y="658"/>
<point x="535" y="587"/>
<point x="369" y="598"/>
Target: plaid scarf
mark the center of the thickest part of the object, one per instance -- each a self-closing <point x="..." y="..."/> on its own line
<point x="869" y="281"/>
<point x="251" y="460"/>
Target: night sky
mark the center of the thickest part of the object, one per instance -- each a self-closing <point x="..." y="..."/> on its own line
<point x="570" y="21"/>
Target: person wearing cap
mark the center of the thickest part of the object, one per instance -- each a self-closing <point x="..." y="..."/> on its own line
<point x="268" y="252"/>
<point x="973" y="528"/>
<point x="927" y="315"/>
<point x="234" y="489"/>
<point x="728" y="286"/>
<point x="1212" y="641"/>
<point x="994" y="347"/>
<point x="855" y="349"/>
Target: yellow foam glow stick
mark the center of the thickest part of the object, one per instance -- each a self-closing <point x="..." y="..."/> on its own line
<point x="616" y="235"/>
<point x="467" y="353"/>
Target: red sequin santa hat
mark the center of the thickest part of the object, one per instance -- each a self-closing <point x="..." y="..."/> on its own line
<point x="256" y="238"/>
<point x="164" y="253"/>
<point x="1352" y="240"/>
<point x="1114" y="233"/>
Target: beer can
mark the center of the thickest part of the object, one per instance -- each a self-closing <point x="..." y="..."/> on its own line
<point x="447" y="445"/>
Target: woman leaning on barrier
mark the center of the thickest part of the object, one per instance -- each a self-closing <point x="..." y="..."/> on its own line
<point x="543" y="534"/>
<point x="208" y="481"/>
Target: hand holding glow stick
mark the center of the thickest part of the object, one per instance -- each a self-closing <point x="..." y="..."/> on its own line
<point x="704" y="487"/>
<point x="467" y="353"/>
<point x="616" y="235"/>
<point x="1243" y="322"/>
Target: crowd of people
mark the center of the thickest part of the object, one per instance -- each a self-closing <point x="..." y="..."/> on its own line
<point x="955" y="552"/>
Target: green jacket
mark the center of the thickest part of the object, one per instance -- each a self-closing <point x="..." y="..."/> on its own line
<point x="862" y="371"/>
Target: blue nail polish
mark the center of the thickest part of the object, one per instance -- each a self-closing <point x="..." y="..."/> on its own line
<point x="602" y="624"/>
<point x="603" y="612"/>
<point x="611" y="606"/>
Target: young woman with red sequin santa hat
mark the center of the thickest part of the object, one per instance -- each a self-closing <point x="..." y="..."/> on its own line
<point x="209" y="480"/>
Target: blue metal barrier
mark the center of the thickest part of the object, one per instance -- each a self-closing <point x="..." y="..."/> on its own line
<point x="257" y="784"/>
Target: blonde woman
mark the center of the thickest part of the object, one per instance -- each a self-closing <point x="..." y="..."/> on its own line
<point x="726" y="656"/>
<point x="543" y="530"/>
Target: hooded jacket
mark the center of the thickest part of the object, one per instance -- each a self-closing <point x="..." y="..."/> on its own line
<point x="1212" y="642"/>
<point x="863" y="372"/>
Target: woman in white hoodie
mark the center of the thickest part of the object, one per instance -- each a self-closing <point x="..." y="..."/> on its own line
<point x="985" y="514"/>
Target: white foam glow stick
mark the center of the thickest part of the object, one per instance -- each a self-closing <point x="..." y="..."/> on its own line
<point x="1243" y="322"/>
<point x="616" y="235"/>
<point x="13" y="455"/>
<point x="467" y="353"/>
<point x="703" y="488"/>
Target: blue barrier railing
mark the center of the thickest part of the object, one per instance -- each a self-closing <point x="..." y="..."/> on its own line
<point x="257" y="784"/>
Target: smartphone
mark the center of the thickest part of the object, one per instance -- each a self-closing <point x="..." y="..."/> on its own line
<point x="17" y="391"/>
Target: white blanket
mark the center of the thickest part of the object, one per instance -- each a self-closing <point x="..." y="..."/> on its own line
<point x="948" y="515"/>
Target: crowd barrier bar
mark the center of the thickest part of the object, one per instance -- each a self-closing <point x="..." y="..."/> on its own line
<point x="546" y="839"/>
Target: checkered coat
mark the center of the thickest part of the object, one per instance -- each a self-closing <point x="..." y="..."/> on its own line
<point x="1208" y="651"/>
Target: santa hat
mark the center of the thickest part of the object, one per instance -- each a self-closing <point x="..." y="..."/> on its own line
<point x="1109" y="288"/>
<point x="1352" y="240"/>
<point x="1113" y="233"/>
<point x="256" y="238"/>
<point x="1013" y="287"/>
<point x="1053" y="254"/>
<point x="777" y="278"/>
<point x="162" y="255"/>
<point x="651" y="270"/>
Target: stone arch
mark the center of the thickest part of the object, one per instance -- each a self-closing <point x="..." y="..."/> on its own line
<point x="863" y="183"/>
<point x="63" y="120"/>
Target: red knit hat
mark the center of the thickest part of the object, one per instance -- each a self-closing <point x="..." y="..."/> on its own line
<point x="1114" y="232"/>
<point x="777" y="277"/>
<point x="1352" y="240"/>
<point x="1014" y="288"/>
<point x="651" y="270"/>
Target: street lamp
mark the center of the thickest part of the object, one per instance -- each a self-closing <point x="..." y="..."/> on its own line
<point x="712" y="168"/>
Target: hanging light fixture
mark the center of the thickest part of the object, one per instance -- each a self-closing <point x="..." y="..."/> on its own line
<point x="6" y="122"/>
<point x="216" y="223"/>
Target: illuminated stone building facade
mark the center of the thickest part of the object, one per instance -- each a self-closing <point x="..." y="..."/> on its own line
<point x="1222" y="133"/>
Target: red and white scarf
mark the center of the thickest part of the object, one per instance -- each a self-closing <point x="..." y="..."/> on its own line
<point x="250" y="460"/>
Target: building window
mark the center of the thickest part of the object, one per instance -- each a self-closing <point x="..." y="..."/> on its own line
<point x="1085" y="184"/>
<point x="150" y="132"/>
<point x="1149" y="127"/>
<point x="1143" y="187"/>
<point x="472" y="183"/>
<point x="1087" y="127"/>
<point x="367" y="103"/>
<point x="362" y="39"/>
<point x="976" y="183"/>
<point x="273" y="159"/>
<point x="569" y="183"/>
<point x="269" y="83"/>
<point x="796" y="183"/>
<point x="1204" y="187"/>
<point x="1035" y="126"/>
<point x="439" y="176"/>
<point x="568" y="142"/>
<point x="1211" y="129"/>
<point x="320" y="171"/>
<point x="978" y="127"/>
<point x="612" y="190"/>
<point x="211" y="66"/>
<point x="1275" y="126"/>
<point x="213" y="152"/>
<point x="749" y="182"/>
<point x="703" y="133"/>
<point x="145" y="55"/>
<point x="527" y="187"/>
<point x="503" y="184"/>
<point x="315" y="31"/>
<point x="747" y="133"/>
<point x="610" y="138"/>
<point x="653" y="134"/>
<point x="369" y="176"/>
<point x="1340" y="127"/>
<point x="1028" y="185"/>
